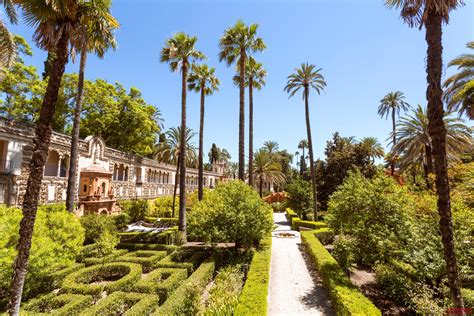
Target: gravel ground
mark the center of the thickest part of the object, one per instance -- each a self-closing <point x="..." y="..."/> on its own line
<point x="294" y="288"/>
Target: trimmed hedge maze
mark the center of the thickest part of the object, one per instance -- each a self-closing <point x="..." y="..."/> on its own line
<point x="140" y="282"/>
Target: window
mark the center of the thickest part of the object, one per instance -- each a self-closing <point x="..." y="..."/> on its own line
<point x="103" y="187"/>
<point x="84" y="188"/>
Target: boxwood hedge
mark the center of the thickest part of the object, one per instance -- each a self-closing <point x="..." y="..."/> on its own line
<point x="134" y="246"/>
<point x="162" y="281"/>
<point x="183" y="259"/>
<point x="120" y="276"/>
<point x="109" y="258"/>
<point x="52" y="304"/>
<point x="121" y="303"/>
<point x="147" y="258"/>
<point x="167" y="237"/>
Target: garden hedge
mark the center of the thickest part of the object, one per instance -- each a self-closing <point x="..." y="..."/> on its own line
<point x="109" y="258"/>
<point x="163" y="221"/>
<point x="52" y="304"/>
<point x="183" y="259"/>
<point x="80" y="282"/>
<point x="146" y="258"/>
<point x="121" y="303"/>
<point x="132" y="246"/>
<point x="296" y="222"/>
<point x="198" y="280"/>
<point x="290" y="214"/>
<point x="346" y="298"/>
<point x="167" y="237"/>
<point x="253" y="299"/>
<point x="325" y="235"/>
<point x="162" y="281"/>
<point x="57" y="277"/>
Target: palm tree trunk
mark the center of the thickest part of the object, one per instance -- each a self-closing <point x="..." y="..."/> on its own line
<point x="182" y="158"/>
<point x="429" y="166"/>
<point x="201" y="133"/>
<point x="40" y="153"/>
<point x="242" y="116"/>
<point x="173" y="213"/>
<point x="250" y="132"/>
<point x="72" y="178"/>
<point x="261" y="185"/>
<point x="437" y="131"/>
<point x="311" y="157"/>
<point x="392" y="165"/>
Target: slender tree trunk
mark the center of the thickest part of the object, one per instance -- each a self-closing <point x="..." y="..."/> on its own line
<point x="41" y="143"/>
<point x="173" y="213"/>
<point x="437" y="131"/>
<point x="303" y="164"/>
<point x="261" y="186"/>
<point x="72" y="178"/>
<point x="392" y="165"/>
<point x="429" y="166"/>
<point x="200" y="154"/>
<point x="182" y="157"/>
<point x="251" y="132"/>
<point x="311" y="157"/>
<point x="242" y="116"/>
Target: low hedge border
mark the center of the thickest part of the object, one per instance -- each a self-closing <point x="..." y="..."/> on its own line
<point x="198" y="280"/>
<point x="297" y="223"/>
<point x="163" y="221"/>
<point x="131" y="246"/>
<point x="162" y="282"/>
<point x="290" y="214"/>
<point x="325" y="235"/>
<point x="52" y="304"/>
<point x="79" y="281"/>
<point x="109" y="258"/>
<point x="140" y="304"/>
<point x="184" y="259"/>
<point x="167" y="237"/>
<point x="253" y="299"/>
<point x="345" y="297"/>
<point x="146" y="258"/>
<point x="57" y="277"/>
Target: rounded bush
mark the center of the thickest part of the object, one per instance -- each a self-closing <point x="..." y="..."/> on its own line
<point x="110" y="277"/>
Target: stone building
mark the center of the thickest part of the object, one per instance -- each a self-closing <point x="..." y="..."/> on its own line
<point x="104" y="174"/>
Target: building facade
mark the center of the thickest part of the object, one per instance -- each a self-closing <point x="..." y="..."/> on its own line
<point x="104" y="174"/>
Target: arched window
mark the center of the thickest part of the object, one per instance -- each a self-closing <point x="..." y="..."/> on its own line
<point x="52" y="164"/>
<point x="103" y="186"/>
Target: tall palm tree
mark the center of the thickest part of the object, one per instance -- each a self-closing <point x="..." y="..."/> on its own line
<point x="414" y="142"/>
<point x="266" y="169"/>
<point x="303" y="144"/>
<point x="236" y="45"/>
<point x="373" y="147"/>
<point x="202" y="79"/>
<point x="391" y="104"/>
<point x="431" y="14"/>
<point x="55" y="22"/>
<point x="168" y="152"/>
<point x="254" y="78"/>
<point x="232" y="170"/>
<point x="180" y="52"/>
<point x="459" y="92"/>
<point x="7" y="43"/>
<point x="307" y="77"/>
<point x="271" y="146"/>
<point x="94" y="35"/>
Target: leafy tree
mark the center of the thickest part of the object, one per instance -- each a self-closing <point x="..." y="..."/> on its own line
<point x="459" y="87"/>
<point x="95" y="34"/>
<point x="202" y="79"/>
<point x="57" y="239"/>
<point x="236" y="45"/>
<point x="180" y="52"/>
<point x="266" y="169"/>
<point x="300" y="197"/>
<point x="307" y="77"/>
<point x="373" y="147"/>
<point x="95" y="226"/>
<point x="391" y="104"/>
<point x="217" y="154"/>
<point x="233" y="212"/>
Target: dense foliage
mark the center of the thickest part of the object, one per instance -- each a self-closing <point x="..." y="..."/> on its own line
<point x="57" y="239"/>
<point x="233" y="212"/>
<point x="300" y="197"/>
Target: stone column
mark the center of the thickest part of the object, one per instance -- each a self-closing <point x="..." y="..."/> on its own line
<point x="58" y="171"/>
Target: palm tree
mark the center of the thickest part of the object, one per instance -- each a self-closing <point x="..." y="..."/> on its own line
<point x="237" y="44"/>
<point x="307" y="77"/>
<point x="267" y="170"/>
<point x="414" y="142"/>
<point x="373" y="147"/>
<point x="95" y="35"/>
<point x="459" y="92"/>
<point x="168" y="152"/>
<point x="303" y="144"/>
<point x="232" y="170"/>
<point x="391" y="104"/>
<point x="7" y="43"/>
<point x="55" y="23"/>
<point x="179" y="52"/>
<point x="271" y="146"/>
<point x="202" y="79"/>
<point x="254" y="78"/>
<point x="431" y="14"/>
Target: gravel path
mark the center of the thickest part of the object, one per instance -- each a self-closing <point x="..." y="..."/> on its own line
<point x="294" y="289"/>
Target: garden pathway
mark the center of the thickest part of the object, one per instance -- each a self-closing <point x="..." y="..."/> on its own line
<point x="294" y="288"/>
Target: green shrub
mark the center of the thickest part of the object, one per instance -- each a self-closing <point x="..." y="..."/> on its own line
<point x="468" y="297"/>
<point x="146" y="258"/>
<point x="345" y="297"/>
<point x="224" y="294"/>
<point x="136" y="209"/>
<point x="101" y="260"/>
<point x="162" y="222"/>
<point x="344" y="251"/>
<point x="57" y="239"/>
<point x="122" y="275"/>
<point x="395" y="285"/>
<point x="162" y="281"/>
<point x="167" y="237"/>
<point x="163" y="206"/>
<point x="121" y="303"/>
<point x="57" y="277"/>
<point x="300" y="197"/>
<point x="253" y="300"/>
<point x="233" y="212"/>
<point x="96" y="225"/>
<point x="183" y="259"/>
<point x="325" y="235"/>
<point x="297" y="223"/>
<point x="133" y="246"/>
<point x="290" y="214"/>
<point x="185" y="300"/>
<point x="121" y="221"/>
<point x="52" y="304"/>
<point x="278" y="207"/>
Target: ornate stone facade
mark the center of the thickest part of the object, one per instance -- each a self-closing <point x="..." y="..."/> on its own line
<point x="131" y="176"/>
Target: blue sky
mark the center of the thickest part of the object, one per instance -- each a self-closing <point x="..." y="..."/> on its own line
<point x="363" y="48"/>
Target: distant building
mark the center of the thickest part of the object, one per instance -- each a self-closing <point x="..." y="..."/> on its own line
<point x="104" y="174"/>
